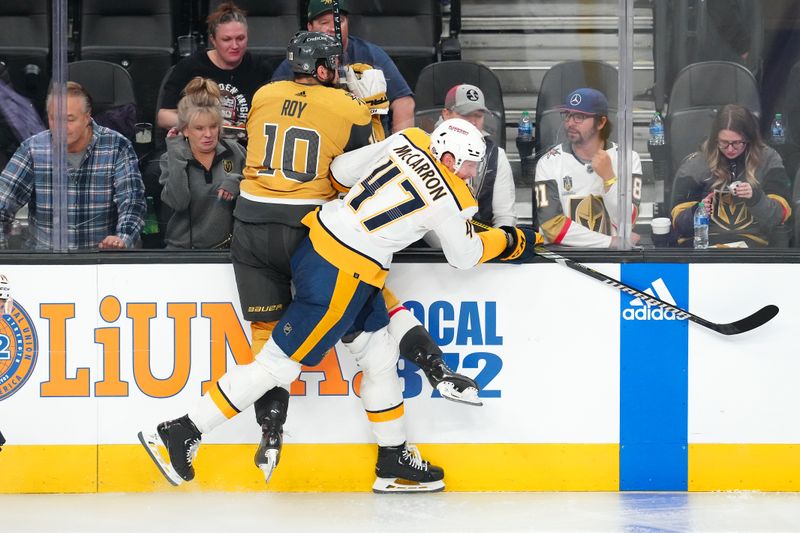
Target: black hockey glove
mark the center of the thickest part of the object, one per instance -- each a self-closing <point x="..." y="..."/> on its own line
<point x="521" y="243"/>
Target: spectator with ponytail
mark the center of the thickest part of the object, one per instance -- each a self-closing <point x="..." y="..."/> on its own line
<point x="200" y="172"/>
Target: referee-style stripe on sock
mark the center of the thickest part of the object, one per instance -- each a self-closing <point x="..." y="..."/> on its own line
<point x="386" y="415"/>
<point x="222" y="402"/>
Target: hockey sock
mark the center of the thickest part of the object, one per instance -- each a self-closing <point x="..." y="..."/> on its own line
<point x="381" y="389"/>
<point x="242" y="385"/>
<point x="261" y="332"/>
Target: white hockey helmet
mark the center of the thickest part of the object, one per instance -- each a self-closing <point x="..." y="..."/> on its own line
<point x="461" y="139"/>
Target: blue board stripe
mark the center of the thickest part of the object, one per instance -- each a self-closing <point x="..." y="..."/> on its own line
<point x="654" y="354"/>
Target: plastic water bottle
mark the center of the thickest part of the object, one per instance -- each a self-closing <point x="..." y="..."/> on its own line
<point x="150" y="219"/>
<point x="700" y="226"/>
<point x="656" y="130"/>
<point x="778" y="133"/>
<point x="525" y="135"/>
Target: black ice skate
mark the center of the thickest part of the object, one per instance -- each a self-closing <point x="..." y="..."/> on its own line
<point x="451" y="385"/>
<point x="268" y="453"/>
<point x="180" y="439"/>
<point x="402" y="469"/>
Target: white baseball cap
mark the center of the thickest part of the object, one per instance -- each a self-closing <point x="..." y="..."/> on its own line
<point x="465" y="99"/>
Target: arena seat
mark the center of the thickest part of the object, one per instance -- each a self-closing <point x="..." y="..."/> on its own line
<point x="437" y="78"/>
<point x="135" y="34"/>
<point x="110" y="87"/>
<point x="698" y="93"/>
<point x="25" y="46"/>
<point x="789" y="106"/>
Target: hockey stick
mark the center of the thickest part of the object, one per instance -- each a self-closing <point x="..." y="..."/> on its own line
<point x="337" y="33"/>
<point x="337" y="24"/>
<point x="759" y="318"/>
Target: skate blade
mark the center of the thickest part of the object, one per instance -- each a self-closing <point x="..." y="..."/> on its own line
<point x="468" y="396"/>
<point x="394" y="485"/>
<point x="153" y="445"/>
<point x="269" y="467"/>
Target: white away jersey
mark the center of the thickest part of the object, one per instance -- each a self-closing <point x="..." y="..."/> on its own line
<point x="572" y="206"/>
<point x="398" y="192"/>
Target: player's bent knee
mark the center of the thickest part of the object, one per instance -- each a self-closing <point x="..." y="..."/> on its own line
<point x="375" y="352"/>
<point x="401" y="321"/>
<point x="277" y="363"/>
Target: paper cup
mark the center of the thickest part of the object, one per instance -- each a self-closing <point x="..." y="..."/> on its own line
<point x="660" y="228"/>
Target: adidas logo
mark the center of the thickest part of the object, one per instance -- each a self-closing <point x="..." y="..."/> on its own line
<point x="301" y="93"/>
<point x="640" y="310"/>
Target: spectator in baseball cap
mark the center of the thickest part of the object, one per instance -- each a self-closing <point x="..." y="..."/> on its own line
<point x="318" y="7"/>
<point x="587" y="101"/>
<point x="576" y="181"/>
<point x="361" y="55"/>
<point x="493" y="187"/>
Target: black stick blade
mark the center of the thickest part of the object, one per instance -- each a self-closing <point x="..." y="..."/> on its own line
<point x="759" y="318"/>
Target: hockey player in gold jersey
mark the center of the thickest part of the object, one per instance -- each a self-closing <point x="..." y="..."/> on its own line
<point x="295" y="129"/>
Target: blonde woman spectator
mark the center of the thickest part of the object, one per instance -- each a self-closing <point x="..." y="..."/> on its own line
<point x="200" y="172"/>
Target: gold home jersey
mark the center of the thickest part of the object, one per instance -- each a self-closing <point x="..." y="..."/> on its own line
<point x="398" y="193"/>
<point x="294" y="131"/>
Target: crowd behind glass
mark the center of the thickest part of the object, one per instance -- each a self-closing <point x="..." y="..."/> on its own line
<point x="718" y="169"/>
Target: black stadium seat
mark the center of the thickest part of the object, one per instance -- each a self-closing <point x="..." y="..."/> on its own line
<point x="110" y="87"/>
<point x="135" y="34"/>
<point x="698" y="93"/>
<point x="25" y="46"/>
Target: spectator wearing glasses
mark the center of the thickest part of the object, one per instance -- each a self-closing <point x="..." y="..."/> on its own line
<point x="576" y="182"/>
<point x="741" y="180"/>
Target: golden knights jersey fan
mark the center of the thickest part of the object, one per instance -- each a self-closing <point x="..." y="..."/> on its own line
<point x="402" y="188"/>
<point x="576" y="184"/>
<point x="741" y="180"/>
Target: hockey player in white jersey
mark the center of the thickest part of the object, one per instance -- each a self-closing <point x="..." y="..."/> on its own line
<point x="576" y="184"/>
<point x="413" y="184"/>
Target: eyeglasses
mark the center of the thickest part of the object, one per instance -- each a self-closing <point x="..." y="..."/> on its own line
<point x="578" y="118"/>
<point x="723" y="145"/>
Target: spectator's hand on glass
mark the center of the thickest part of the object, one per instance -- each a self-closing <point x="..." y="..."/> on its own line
<point x="222" y="194"/>
<point x="112" y="242"/>
<point x="635" y="238"/>
<point x="7" y="306"/>
<point x="173" y="132"/>
<point x="601" y="164"/>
